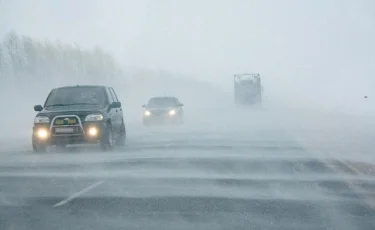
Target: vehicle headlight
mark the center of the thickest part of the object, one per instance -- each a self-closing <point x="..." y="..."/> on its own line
<point x="42" y="134"/>
<point x="147" y="113"/>
<point x="41" y="119"/>
<point x="172" y="112"/>
<point x="93" y="131"/>
<point x="94" y="117"/>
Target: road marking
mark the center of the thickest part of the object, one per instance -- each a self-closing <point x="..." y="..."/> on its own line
<point x="363" y="193"/>
<point x="72" y="197"/>
<point x="355" y="188"/>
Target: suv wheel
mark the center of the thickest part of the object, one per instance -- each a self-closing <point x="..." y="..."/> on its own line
<point x="106" y="142"/>
<point x="39" y="148"/>
<point x="122" y="137"/>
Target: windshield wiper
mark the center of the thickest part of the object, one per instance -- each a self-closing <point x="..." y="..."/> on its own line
<point x="71" y="104"/>
<point x="56" y="105"/>
<point x="83" y="104"/>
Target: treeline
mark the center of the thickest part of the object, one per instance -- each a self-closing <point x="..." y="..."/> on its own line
<point x="25" y="61"/>
<point x="29" y="68"/>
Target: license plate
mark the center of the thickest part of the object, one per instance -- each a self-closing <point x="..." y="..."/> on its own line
<point x="64" y="130"/>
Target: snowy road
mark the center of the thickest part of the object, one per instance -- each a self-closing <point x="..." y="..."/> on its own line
<point x="224" y="169"/>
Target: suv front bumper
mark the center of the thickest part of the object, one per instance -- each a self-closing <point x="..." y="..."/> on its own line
<point x="88" y="132"/>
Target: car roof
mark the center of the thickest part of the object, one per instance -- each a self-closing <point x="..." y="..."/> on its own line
<point x="165" y="97"/>
<point x="82" y="86"/>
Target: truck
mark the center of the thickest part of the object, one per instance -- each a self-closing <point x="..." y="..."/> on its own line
<point x="247" y="89"/>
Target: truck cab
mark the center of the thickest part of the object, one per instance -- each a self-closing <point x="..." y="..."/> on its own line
<point x="247" y="89"/>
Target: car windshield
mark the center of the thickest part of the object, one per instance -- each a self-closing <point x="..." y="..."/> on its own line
<point x="162" y="102"/>
<point x="76" y="96"/>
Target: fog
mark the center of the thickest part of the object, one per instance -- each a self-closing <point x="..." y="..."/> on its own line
<point x="317" y="53"/>
<point x="302" y="158"/>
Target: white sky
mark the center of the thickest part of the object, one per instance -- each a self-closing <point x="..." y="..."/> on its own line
<point x="294" y="44"/>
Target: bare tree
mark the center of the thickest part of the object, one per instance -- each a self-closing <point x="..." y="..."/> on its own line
<point x="14" y="48"/>
<point x="30" y="55"/>
<point x="23" y="60"/>
<point x="2" y="63"/>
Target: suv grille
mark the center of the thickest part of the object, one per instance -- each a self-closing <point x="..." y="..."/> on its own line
<point x="66" y="121"/>
<point x="63" y="125"/>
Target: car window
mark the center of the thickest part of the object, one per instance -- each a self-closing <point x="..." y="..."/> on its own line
<point x="162" y="102"/>
<point x="113" y="94"/>
<point x="77" y="96"/>
<point x="111" y="98"/>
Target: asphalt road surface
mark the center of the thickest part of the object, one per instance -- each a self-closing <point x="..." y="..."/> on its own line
<point x="223" y="169"/>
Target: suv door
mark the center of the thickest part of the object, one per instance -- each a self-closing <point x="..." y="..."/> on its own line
<point x="117" y="112"/>
<point x="179" y="108"/>
<point x="112" y="111"/>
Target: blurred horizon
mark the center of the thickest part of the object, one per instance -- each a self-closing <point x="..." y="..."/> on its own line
<point x="317" y="53"/>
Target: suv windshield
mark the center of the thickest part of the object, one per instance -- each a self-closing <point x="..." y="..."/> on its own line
<point x="76" y="96"/>
<point x="162" y="102"/>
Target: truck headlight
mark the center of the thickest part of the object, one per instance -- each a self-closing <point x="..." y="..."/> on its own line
<point x="94" y="117"/>
<point x="147" y="113"/>
<point x="172" y="112"/>
<point x="41" y="119"/>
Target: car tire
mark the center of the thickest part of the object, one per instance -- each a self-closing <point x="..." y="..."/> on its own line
<point x="106" y="143"/>
<point x="39" y="148"/>
<point x="122" y="137"/>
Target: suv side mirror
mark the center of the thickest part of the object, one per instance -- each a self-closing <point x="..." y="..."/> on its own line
<point x="116" y="104"/>
<point x="143" y="106"/>
<point x="38" y="108"/>
<point x="180" y="104"/>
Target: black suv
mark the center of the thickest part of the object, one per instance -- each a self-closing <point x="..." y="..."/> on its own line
<point x="163" y="110"/>
<point x="77" y="115"/>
